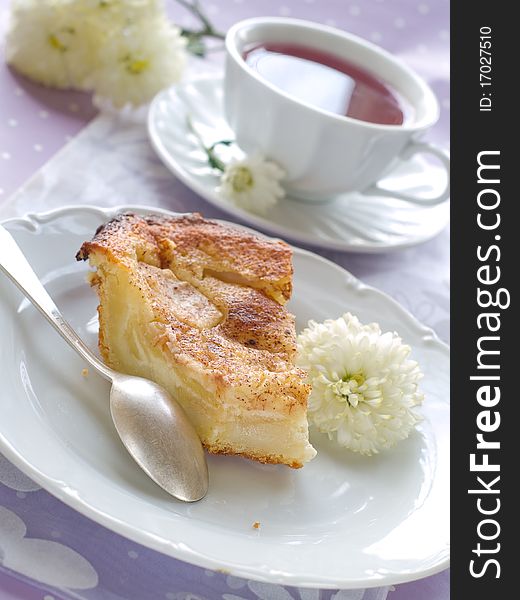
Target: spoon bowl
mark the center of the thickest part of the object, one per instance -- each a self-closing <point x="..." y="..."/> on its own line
<point x="172" y="455"/>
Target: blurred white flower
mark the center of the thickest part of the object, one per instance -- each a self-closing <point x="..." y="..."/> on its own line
<point x="364" y="387"/>
<point x="136" y="64"/>
<point x="124" y="50"/>
<point x="252" y="183"/>
<point x="47" y="42"/>
<point x="113" y="14"/>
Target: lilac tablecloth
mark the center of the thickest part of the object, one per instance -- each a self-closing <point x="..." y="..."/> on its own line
<point x="47" y="551"/>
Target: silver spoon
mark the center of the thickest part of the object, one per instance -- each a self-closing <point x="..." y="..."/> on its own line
<point x="153" y="427"/>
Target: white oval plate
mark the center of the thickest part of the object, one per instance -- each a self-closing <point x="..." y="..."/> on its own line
<point x="353" y="222"/>
<point x="342" y="521"/>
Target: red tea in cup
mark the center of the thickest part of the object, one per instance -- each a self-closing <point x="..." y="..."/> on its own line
<point x="328" y="82"/>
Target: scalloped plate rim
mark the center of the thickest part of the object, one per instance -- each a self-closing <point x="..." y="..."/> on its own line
<point x="33" y="221"/>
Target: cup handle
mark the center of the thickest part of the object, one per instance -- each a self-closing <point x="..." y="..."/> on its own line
<point x="409" y="150"/>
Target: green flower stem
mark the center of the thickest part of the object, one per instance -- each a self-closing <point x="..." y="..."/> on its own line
<point x="195" y="35"/>
<point x="207" y="28"/>
<point x="213" y="160"/>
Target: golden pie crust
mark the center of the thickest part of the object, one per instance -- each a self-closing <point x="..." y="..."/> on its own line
<point x="198" y="307"/>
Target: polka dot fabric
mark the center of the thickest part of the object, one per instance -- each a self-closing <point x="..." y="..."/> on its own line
<point x="35" y="123"/>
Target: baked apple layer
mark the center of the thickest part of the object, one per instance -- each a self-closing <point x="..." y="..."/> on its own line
<point x="198" y="307"/>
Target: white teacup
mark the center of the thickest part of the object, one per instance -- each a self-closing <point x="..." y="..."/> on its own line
<point x="323" y="153"/>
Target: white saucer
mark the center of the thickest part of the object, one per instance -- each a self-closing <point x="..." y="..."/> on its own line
<point x="352" y="222"/>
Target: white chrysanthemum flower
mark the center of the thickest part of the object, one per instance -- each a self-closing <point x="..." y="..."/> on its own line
<point x="49" y="43"/>
<point x="139" y="62"/>
<point x="252" y="183"/>
<point x="120" y="6"/>
<point x="364" y="387"/>
<point x="119" y="13"/>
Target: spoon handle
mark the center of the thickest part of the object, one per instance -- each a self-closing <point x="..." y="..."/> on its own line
<point x="14" y="264"/>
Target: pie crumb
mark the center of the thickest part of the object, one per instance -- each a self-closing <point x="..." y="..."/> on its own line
<point x="84" y="372"/>
<point x="256" y="525"/>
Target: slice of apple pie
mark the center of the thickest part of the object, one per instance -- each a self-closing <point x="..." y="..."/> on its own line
<point x="198" y="307"/>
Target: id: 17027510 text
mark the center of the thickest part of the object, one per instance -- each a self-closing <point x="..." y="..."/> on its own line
<point x="485" y="63"/>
